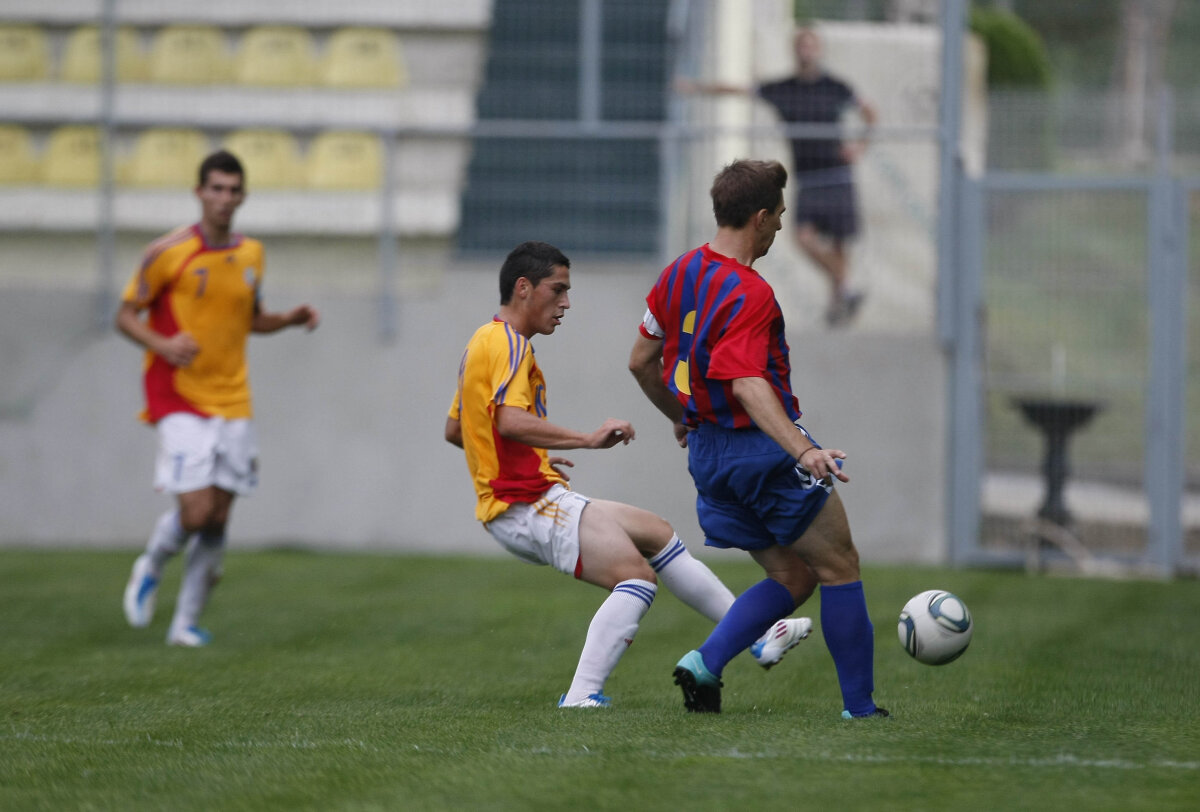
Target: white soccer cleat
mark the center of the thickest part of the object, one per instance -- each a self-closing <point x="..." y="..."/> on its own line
<point x="596" y="700"/>
<point x="192" y="637"/>
<point x="141" y="593"/>
<point x="780" y="639"/>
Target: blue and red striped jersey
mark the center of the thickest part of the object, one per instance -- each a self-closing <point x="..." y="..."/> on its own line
<point x="718" y="320"/>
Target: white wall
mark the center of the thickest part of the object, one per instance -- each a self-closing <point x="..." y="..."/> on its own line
<point x="351" y="429"/>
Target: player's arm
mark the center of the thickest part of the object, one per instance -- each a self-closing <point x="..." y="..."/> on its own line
<point x="645" y="362"/>
<point x="853" y="150"/>
<point x="303" y="316"/>
<point x="689" y="87"/>
<point x="454" y="432"/>
<point x="760" y="402"/>
<point x="178" y="350"/>
<point x="514" y="423"/>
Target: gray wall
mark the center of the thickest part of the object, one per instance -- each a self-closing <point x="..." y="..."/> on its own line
<point x="351" y="429"/>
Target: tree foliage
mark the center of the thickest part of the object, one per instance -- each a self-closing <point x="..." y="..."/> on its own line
<point x="1016" y="54"/>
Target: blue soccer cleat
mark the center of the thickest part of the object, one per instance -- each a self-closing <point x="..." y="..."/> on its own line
<point x="141" y="593"/>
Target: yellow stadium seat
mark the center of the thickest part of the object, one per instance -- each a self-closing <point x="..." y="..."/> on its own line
<point x="18" y="162"/>
<point x="72" y="156"/>
<point x="271" y="158"/>
<point x="189" y="55"/>
<point x="345" y="160"/>
<point x="81" y="60"/>
<point x="24" y="53"/>
<point x="363" y="57"/>
<point x="275" y="55"/>
<point x="166" y="157"/>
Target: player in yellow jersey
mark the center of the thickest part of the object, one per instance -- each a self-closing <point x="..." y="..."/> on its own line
<point x="498" y="417"/>
<point x="201" y="286"/>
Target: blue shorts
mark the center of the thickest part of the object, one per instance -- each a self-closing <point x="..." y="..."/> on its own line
<point x="749" y="493"/>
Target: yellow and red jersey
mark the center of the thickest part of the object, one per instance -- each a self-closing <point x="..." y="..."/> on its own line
<point x="498" y="369"/>
<point x="210" y="293"/>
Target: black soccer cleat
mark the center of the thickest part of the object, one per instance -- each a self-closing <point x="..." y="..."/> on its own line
<point x="701" y="693"/>
<point x="878" y="713"/>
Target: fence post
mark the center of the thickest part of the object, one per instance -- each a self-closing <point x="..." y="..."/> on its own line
<point x="965" y="385"/>
<point x="1166" y="281"/>
<point x="953" y="24"/>
<point x="389" y="252"/>
<point x="106" y="240"/>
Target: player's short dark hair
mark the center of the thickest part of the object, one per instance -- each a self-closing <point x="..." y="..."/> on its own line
<point x="744" y="188"/>
<point x="532" y="260"/>
<point x="221" y="161"/>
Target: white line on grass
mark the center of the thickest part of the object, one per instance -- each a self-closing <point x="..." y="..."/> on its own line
<point x="244" y="744"/>
<point x="1055" y="762"/>
<point x="1060" y="760"/>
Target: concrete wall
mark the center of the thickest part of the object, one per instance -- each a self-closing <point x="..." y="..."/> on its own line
<point x="351" y="428"/>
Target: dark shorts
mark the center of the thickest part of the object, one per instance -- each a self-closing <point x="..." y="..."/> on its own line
<point x="749" y="494"/>
<point x="826" y="199"/>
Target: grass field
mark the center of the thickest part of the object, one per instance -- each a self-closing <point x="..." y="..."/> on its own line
<point x="370" y="682"/>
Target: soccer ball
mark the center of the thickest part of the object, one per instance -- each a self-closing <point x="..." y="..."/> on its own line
<point x="935" y="627"/>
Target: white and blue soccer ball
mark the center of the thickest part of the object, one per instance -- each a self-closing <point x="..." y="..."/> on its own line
<point x="935" y="627"/>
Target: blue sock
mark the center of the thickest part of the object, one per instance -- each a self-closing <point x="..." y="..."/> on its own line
<point x="850" y="638"/>
<point x="751" y="614"/>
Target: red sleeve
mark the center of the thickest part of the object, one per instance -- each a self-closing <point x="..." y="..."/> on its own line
<point x="741" y="350"/>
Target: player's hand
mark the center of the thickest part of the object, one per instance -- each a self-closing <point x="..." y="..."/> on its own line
<point x="304" y="316"/>
<point x="611" y="432"/>
<point x="822" y="463"/>
<point x="558" y="463"/>
<point x="684" y="85"/>
<point x="179" y="350"/>
<point x="853" y="150"/>
<point x="681" y="434"/>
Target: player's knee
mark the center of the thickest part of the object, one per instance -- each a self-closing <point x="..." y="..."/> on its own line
<point x="632" y="570"/>
<point x="655" y="537"/>
<point x="841" y="568"/>
<point x="194" y="517"/>
<point x="800" y="580"/>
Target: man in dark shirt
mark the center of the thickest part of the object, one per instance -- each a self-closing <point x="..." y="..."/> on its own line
<point x="826" y="211"/>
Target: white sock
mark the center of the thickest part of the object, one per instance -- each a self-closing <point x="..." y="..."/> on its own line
<point x="609" y="635"/>
<point x="691" y="581"/>
<point x="167" y="539"/>
<point x="200" y="575"/>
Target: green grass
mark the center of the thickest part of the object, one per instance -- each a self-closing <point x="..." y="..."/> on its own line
<point x="373" y="682"/>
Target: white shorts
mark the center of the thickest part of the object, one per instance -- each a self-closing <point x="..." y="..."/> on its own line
<point x="195" y="452"/>
<point x="544" y="532"/>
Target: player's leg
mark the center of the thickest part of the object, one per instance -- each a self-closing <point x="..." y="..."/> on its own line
<point x="609" y="560"/>
<point x="141" y="590"/>
<point x="839" y="222"/>
<point x="234" y="473"/>
<point x="788" y="584"/>
<point x="810" y="241"/>
<point x="184" y="465"/>
<point x="688" y="578"/>
<point x="828" y="548"/>
<point x="202" y="571"/>
<point x="699" y="672"/>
